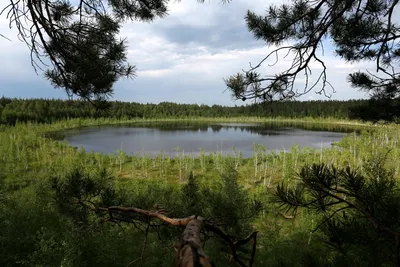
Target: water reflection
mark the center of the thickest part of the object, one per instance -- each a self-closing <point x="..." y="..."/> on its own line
<point x="192" y="137"/>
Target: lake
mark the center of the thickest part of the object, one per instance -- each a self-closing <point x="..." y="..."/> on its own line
<point x="152" y="138"/>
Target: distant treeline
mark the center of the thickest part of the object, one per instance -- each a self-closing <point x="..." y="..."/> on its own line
<point x="46" y="110"/>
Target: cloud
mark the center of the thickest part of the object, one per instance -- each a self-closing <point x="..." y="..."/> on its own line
<point x="182" y="58"/>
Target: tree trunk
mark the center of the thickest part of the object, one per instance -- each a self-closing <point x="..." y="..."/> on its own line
<point x="190" y="251"/>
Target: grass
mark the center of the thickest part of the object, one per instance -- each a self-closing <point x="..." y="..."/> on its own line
<point x="29" y="138"/>
<point x="27" y="158"/>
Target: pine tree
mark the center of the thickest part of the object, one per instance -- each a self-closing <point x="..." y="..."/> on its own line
<point x="79" y="38"/>
<point x="360" y="30"/>
<point x="359" y="210"/>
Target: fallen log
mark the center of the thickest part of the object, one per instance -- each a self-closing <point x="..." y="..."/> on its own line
<point x="189" y="250"/>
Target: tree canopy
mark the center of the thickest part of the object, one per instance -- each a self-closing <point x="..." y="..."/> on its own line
<point x="360" y="30"/>
<point x="78" y="42"/>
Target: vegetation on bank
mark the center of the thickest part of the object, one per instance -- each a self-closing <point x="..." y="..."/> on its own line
<point x="44" y="110"/>
<point x="43" y="180"/>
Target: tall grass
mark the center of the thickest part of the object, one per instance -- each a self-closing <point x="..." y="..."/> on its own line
<point x="28" y="156"/>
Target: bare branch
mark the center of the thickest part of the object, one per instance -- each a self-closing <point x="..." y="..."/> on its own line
<point x="190" y="247"/>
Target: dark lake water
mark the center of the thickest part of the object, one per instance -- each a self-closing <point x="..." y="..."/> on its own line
<point x="191" y="138"/>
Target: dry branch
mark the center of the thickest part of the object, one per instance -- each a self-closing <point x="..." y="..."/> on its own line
<point x="189" y="251"/>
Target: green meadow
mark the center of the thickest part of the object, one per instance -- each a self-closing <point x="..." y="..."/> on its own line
<point x="41" y="227"/>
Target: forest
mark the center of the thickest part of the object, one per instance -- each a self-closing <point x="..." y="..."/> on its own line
<point x="62" y="205"/>
<point x="49" y="110"/>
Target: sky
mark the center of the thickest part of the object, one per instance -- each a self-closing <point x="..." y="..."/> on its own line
<point x="182" y="58"/>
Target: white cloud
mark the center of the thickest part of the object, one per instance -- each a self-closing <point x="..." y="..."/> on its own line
<point x="161" y="73"/>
